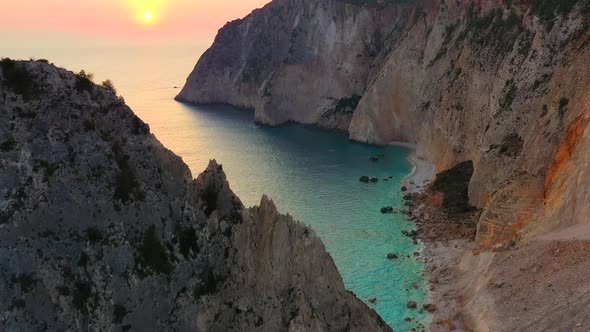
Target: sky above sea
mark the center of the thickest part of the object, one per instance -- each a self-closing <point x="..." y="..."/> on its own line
<point x="35" y="23"/>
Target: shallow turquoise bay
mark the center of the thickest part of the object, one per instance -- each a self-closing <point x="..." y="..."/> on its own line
<point x="314" y="175"/>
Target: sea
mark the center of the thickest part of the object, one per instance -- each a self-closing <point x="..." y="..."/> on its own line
<point x="310" y="173"/>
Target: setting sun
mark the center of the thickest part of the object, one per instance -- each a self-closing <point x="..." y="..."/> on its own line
<point x="147" y="16"/>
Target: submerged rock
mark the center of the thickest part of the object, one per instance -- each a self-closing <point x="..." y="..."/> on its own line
<point x="387" y="209"/>
<point x="392" y="256"/>
<point x="373" y="180"/>
<point x="364" y="179"/>
<point x="412" y="304"/>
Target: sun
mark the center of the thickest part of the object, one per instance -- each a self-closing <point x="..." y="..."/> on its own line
<point x="147" y="16"/>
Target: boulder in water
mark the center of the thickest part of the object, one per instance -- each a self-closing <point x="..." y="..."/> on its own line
<point x="387" y="209"/>
<point x="364" y="179"/>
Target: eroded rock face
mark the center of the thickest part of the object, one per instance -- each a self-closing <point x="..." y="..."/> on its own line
<point x="294" y="60"/>
<point x="503" y="84"/>
<point x="102" y="228"/>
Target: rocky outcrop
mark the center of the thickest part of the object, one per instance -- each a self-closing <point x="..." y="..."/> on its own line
<point x="503" y="84"/>
<point x="102" y="228"/>
<point x="294" y="60"/>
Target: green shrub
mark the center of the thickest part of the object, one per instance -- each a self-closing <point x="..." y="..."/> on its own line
<point x="83" y="260"/>
<point x="63" y="290"/>
<point x="88" y="125"/>
<point x="119" y="312"/>
<point x="548" y="10"/>
<point x="82" y="293"/>
<point x="8" y="145"/>
<point x="187" y="239"/>
<point x="84" y="81"/>
<point x="127" y="187"/>
<point x="26" y="281"/>
<point x="348" y="104"/>
<point x="509" y="93"/>
<point x="377" y="3"/>
<point x="511" y="146"/>
<point x="497" y="33"/>
<point x="48" y="167"/>
<point x="109" y="85"/>
<point x="210" y="282"/>
<point x="94" y="234"/>
<point x="152" y="257"/>
<point x="18" y="79"/>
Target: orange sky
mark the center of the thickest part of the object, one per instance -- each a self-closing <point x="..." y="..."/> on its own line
<point x="123" y="18"/>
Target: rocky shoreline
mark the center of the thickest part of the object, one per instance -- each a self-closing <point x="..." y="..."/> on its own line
<point x="521" y="286"/>
<point x="443" y="245"/>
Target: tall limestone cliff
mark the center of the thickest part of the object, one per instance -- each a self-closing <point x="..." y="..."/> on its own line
<point x="102" y="228"/>
<point x="505" y="84"/>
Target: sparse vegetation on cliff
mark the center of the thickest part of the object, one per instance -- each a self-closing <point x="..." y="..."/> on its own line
<point x="379" y="3"/>
<point x="349" y="104"/>
<point x="127" y="186"/>
<point x="152" y="257"/>
<point x="346" y="105"/>
<point x="511" y="146"/>
<point x="508" y="95"/>
<point x="84" y="81"/>
<point x="109" y="85"/>
<point x="18" y="79"/>
<point x="548" y="10"/>
<point x="8" y="145"/>
<point x="187" y="239"/>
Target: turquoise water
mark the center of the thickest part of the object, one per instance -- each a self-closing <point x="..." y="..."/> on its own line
<point x="309" y="173"/>
<point x="313" y="175"/>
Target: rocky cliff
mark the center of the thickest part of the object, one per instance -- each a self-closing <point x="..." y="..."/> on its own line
<point x="504" y="84"/>
<point x="102" y="228"/>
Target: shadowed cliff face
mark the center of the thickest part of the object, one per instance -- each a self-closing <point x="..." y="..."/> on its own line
<point x="500" y="83"/>
<point x="103" y="228"/>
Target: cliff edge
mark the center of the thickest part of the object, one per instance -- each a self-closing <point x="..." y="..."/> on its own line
<point x="102" y="228"/>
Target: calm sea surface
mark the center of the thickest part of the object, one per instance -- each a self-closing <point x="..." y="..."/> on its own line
<point x="309" y="173"/>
